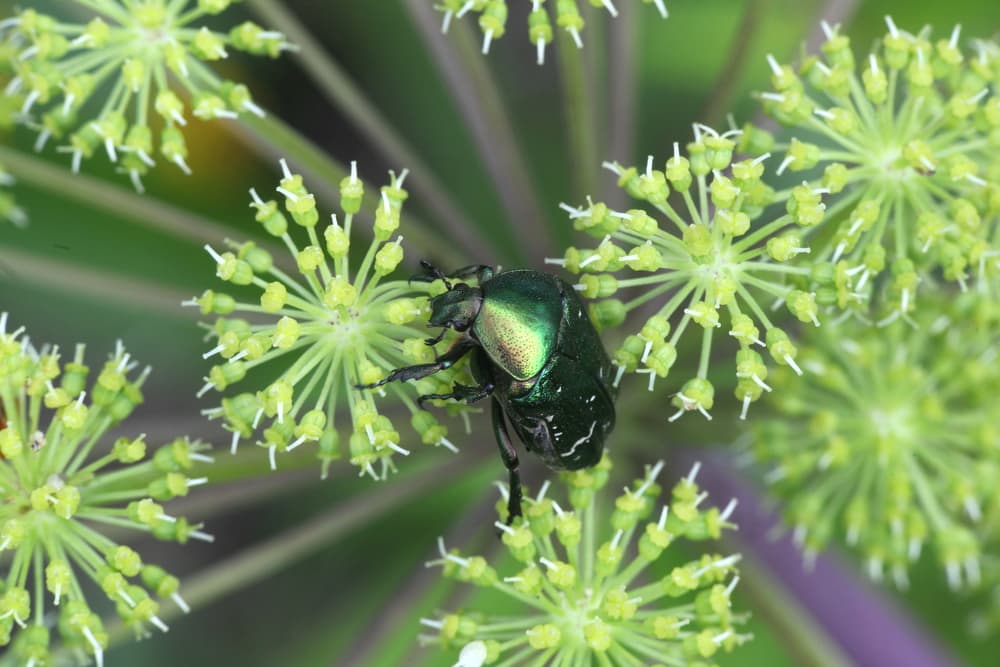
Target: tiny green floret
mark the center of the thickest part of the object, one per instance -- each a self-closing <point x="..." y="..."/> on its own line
<point x="326" y="330"/>
<point x="62" y="485"/>
<point x="586" y="601"/>
<point x="892" y="439"/>
<point x="125" y="80"/>
<point x="565" y="14"/>
<point x="906" y="139"/>
<point x="716" y="264"/>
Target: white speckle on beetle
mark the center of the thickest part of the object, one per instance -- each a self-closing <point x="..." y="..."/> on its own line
<point x="582" y="440"/>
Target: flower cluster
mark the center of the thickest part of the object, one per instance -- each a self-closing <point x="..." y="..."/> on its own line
<point x="565" y="13"/>
<point x="331" y="328"/>
<point x="9" y="210"/>
<point x="584" y="602"/>
<point x="907" y="141"/>
<point x="111" y="81"/>
<point x="719" y="250"/>
<point x="60" y="486"/>
<point x="892" y="438"/>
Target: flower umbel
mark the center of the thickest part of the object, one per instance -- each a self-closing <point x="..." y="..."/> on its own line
<point x="60" y="485"/>
<point x="331" y="328"/>
<point x="585" y="603"/>
<point x="703" y="262"/>
<point x="565" y="14"/>
<point x="892" y="438"/>
<point x="113" y="81"/>
<point x="906" y="140"/>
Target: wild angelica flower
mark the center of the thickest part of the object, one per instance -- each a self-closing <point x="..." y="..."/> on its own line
<point x="120" y="77"/>
<point x="906" y="140"/>
<point x="565" y="14"/>
<point x="584" y="599"/>
<point x="720" y="250"/>
<point x="327" y="330"/>
<point x="9" y="210"/>
<point x="61" y="484"/>
<point x="892" y="439"/>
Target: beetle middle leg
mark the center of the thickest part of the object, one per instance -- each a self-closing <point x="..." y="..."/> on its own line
<point x="460" y="392"/>
<point x="509" y="456"/>
<point x="459" y="349"/>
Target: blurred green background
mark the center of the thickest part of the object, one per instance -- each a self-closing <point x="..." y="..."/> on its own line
<point x="339" y="580"/>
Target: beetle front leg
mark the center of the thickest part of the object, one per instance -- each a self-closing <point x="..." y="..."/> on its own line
<point x="509" y="457"/>
<point x="482" y="272"/>
<point x="459" y="349"/>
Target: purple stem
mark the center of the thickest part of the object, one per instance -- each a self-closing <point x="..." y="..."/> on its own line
<point x="870" y="628"/>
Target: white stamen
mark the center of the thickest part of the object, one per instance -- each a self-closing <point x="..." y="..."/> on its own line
<point x="610" y="7"/>
<point x="396" y="448"/>
<point x="465" y="8"/>
<point x="92" y="640"/>
<point x="576" y="37"/>
<point x="446" y="22"/>
<point x="179" y="601"/>
<point x="161" y="626"/>
<point x="271" y="451"/>
<point x="773" y="63"/>
<point x="664" y="513"/>
<point x="214" y="351"/>
<point x="784" y="164"/>
<point x="662" y="8"/>
<point x="487" y="38"/>
<point x="972" y="508"/>
<point x="618" y="376"/>
<point x="203" y="537"/>
<point x="540" y="50"/>
<point x="953" y="42"/>
<point x="892" y="26"/>
<point x="179" y="161"/>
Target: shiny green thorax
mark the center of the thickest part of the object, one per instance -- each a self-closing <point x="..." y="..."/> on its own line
<point x="518" y="323"/>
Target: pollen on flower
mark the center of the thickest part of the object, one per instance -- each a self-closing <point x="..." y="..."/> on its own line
<point x="714" y="265"/>
<point x="592" y="594"/>
<point x="891" y="439"/>
<point x="63" y="484"/>
<point x="322" y="332"/>
<point x="564" y="14"/>
<point x="905" y="141"/>
<point x="108" y="84"/>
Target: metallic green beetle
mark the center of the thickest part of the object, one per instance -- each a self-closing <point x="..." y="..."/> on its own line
<point x="535" y="354"/>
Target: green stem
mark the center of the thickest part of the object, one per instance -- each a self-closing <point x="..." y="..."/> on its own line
<point x="481" y="105"/>
<point x="100" y="285"/>
<point x="581" y="123"/>
<point x="346" y="96"/>
<point x="141" y="209"/>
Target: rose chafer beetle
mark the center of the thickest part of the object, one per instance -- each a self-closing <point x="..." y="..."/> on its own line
<point x="535" y="354"/>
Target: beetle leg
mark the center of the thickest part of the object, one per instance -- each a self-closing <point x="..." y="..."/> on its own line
<point x="509" y="456"/>
<point x="437" y="339"/>
<point x="482" y="272"/>
<point x="460" y="348"/>
<point x="430" y="274"/>
<point x="459" y="392"/>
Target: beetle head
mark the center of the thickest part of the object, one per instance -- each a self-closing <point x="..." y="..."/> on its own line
<point x="457" y="308"/>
